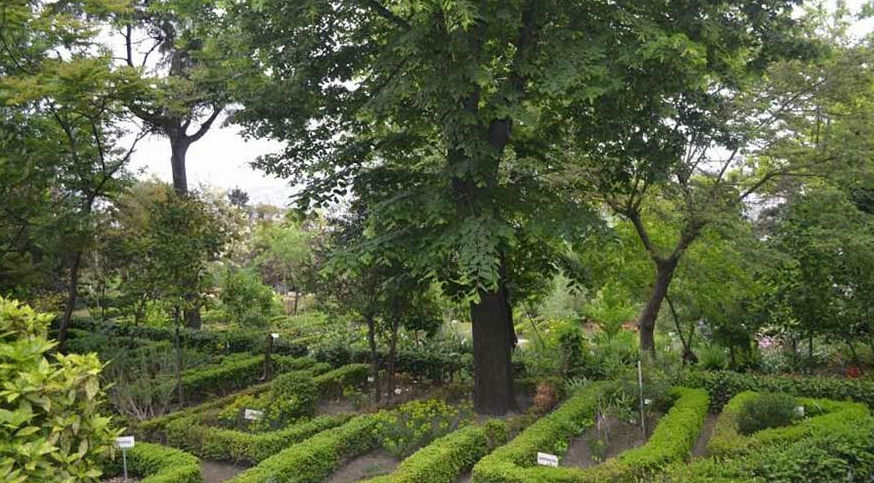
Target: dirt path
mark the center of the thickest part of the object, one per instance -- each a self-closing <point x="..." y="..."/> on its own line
<point x="622" y="437"/>
<point x="219" y="471"/>
<point x="700" y="448"/>
<point x="376" y="463"/>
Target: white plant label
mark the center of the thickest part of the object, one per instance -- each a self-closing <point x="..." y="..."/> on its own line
<point x="252" y="414"/>
<point x="799" y="411"/>
<point x="546" y="459"/>
<point x="275" y="335"/>
<point x="125" y="442"/>
<point x="647" y="401"/>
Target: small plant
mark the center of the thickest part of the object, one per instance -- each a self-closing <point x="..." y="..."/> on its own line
<point x="544" y="398"/>
<point x="770" y="410"/>
<point x="422" y="421"/>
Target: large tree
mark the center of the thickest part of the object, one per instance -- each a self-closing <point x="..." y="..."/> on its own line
<point x="756" y="123"/>
<point x="464" y="103"/>
<point x="66" y="151"/>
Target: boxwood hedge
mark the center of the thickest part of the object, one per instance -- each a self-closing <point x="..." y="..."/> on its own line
<point x="672" y="440"/>
<point x="159" y="464"/>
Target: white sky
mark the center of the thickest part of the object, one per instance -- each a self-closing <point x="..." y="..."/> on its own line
<point x="221" y="157"/>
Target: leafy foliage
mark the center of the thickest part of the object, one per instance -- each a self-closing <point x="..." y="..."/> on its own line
<point x="51" y="426"/>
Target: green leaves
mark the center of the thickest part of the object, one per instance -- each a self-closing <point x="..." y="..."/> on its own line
<point x="49" y="421"/>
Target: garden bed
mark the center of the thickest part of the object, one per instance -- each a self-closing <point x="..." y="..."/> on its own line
<point x="587" y="450"/>
<point x="375" y="463"/>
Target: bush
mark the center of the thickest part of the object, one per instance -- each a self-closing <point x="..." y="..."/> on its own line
<point x="770" y="410"/>
<point x="160" y="464"/>
<point x="724" y="385"/>
<point x="402" y="432"/>
<point x="672" y="439"/>
<point x="833" y="444"/>
<point x="444" y="460"/>
<point x="245" y="299"/>
<point x="50" y="426"/>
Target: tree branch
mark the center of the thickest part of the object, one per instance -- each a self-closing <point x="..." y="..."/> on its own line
<point x="204" y="127"/>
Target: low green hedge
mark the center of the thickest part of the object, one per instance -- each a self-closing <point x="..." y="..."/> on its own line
<point x="317" y="457"/>
<point x="835" y="443"/>
<point x="191" y="432"/>
<point x="672" y="440"/>
<point x="724" y="385"/>
<point x="444" y="460"/>
<point x="548" y="434"/>
<point x="159" y="464"/>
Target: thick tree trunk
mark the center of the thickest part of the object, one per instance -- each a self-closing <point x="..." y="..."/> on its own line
<point x="72" y="295"/>
<point x="374" y="357"/>
<point x="493" y="392"/>
<point x="178" y="151"/>
<point x="647" y="319"/>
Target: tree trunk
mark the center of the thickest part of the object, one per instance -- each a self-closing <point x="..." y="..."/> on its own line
<point x="268" y="366"/>
<point x="374" y="357"/>
<point x="177" y="341"/>
<point x="647" y="319"/>
<point x="492" y="354"/>
<point x="178" y="151"/>
<point x="392" y="356"/>
<point x="72" y="295"/>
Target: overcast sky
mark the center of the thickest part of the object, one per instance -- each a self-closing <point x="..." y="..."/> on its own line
<point x="221" y="158"/>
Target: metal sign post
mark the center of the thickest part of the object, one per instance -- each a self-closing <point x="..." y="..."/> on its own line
<point x="124" y="442"/>
<point x="642" y="402"/>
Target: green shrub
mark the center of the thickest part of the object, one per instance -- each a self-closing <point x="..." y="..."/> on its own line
<point x="672" y="439"/>
<point x="724" y="385"/>
<point x="50" y="427"/>
<point x="444" y="460"/>
<point x="404" y="431"/>
<point x="245" y="299"/>
<point x="833" y="444"/>
<point x="160" y="464"/>
<point x="770" y="410"/>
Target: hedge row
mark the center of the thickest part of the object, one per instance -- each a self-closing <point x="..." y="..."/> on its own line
<point x="235" y="373"/>
<point x="836" y="443"/>
<point x="193" y="434"/>
<point x="214" y="341"/>
<point x="672" y="440"/>
<point x="316" y="458"/>
<point x="155" y="428"/>
<point x="444" y="460"/>
<point x="506" y="464"/>
<point x="724" y="385"/>
<point x="159" y="464"/>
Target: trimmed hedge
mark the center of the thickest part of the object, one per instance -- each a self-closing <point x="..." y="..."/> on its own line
<point x="160" y="464"/>
<point x="212" y="340"/>
<point x="444" y="460"/>
<point x="317" y="457"/>
<point x="506" y="464"/>
<point x="235" y="373"/>
<point x="724" y="385"/>
<point x="672" y="440"/>
<point x="836" y="443"/>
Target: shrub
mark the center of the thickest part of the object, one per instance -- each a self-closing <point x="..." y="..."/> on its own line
<point x="723" y="385"/>
<point x="672" y="439"/>
<point x="770" y="410"/>
<point x="245" y="299"/>
<point x="50" y="426"/>
<point x="444" y="460"/>
<point x="833" y="444"/>
<point x="401" y="432"/>
<point x="160" y="464"/>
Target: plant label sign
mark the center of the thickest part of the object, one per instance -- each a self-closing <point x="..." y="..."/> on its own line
<point x="124" y="442"/>
<point x="274" y="335"/>
<point x="252" y="414"/>
<point x="546" y="459"/>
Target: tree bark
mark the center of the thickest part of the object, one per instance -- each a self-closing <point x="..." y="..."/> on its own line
<point x="177" y="341"/>
<point x="392" y="355"/>
<point x="493" y="392"/>
<point x="647" y="319"/>
<point x="178" y="150"/>
<point x="374" y="357"/>
<point x="72" y="295"/>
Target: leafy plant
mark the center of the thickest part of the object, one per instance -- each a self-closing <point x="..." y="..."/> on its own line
<point x="770" y="410"/>
<point x="49" y="421"/>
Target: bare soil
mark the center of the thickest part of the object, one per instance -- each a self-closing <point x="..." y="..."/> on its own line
<point x="219" y="471"/>
<point x="700" y="448"/>
<point x="376" y="463"/>
<point x="621" y="436"/>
